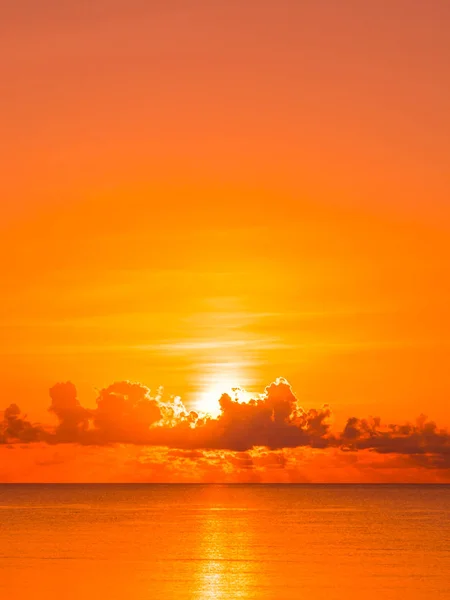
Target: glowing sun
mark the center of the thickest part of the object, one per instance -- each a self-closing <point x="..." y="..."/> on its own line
<point x="208" y="399"/>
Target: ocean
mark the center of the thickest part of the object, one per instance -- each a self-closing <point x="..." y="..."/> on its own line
<point x="277" y="542"/>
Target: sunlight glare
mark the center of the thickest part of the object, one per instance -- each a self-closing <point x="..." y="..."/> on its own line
<point x="209" y="398"/>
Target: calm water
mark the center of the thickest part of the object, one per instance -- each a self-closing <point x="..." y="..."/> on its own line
<point x="213" y="542"/>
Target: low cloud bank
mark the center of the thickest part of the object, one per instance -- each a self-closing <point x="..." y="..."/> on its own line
<point x="127" y="413"/>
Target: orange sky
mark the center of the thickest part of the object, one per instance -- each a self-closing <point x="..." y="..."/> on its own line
<point x="200" y="194"/>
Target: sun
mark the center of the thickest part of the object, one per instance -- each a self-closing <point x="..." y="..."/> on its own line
<point x="209" y="396"/>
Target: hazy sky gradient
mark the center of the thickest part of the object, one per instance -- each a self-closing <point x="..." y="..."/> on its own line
<point x="207" y="192"/>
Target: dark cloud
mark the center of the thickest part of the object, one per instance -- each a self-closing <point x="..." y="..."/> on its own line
<point x="16" y="428"/>
<point x="275" y="420"/>
<point x="422" y="439"/>
<point x="127" y="413"/>
<point x="73" y="418"/>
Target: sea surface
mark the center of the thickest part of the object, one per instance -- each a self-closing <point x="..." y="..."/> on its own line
<point x="277" y="542"/>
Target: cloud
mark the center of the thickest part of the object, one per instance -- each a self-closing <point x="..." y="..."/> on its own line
<point x="275" y="420"/>
<point x="127" y="413"/>
<point x="430" y="445"/>
<point x="16" y="428"/>
<point x="73" y="418"/>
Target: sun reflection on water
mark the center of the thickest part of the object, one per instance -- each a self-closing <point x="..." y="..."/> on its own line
<point x="225" y="548"/>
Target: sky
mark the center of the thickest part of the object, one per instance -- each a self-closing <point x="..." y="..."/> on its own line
<point x="205" y="195"/>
